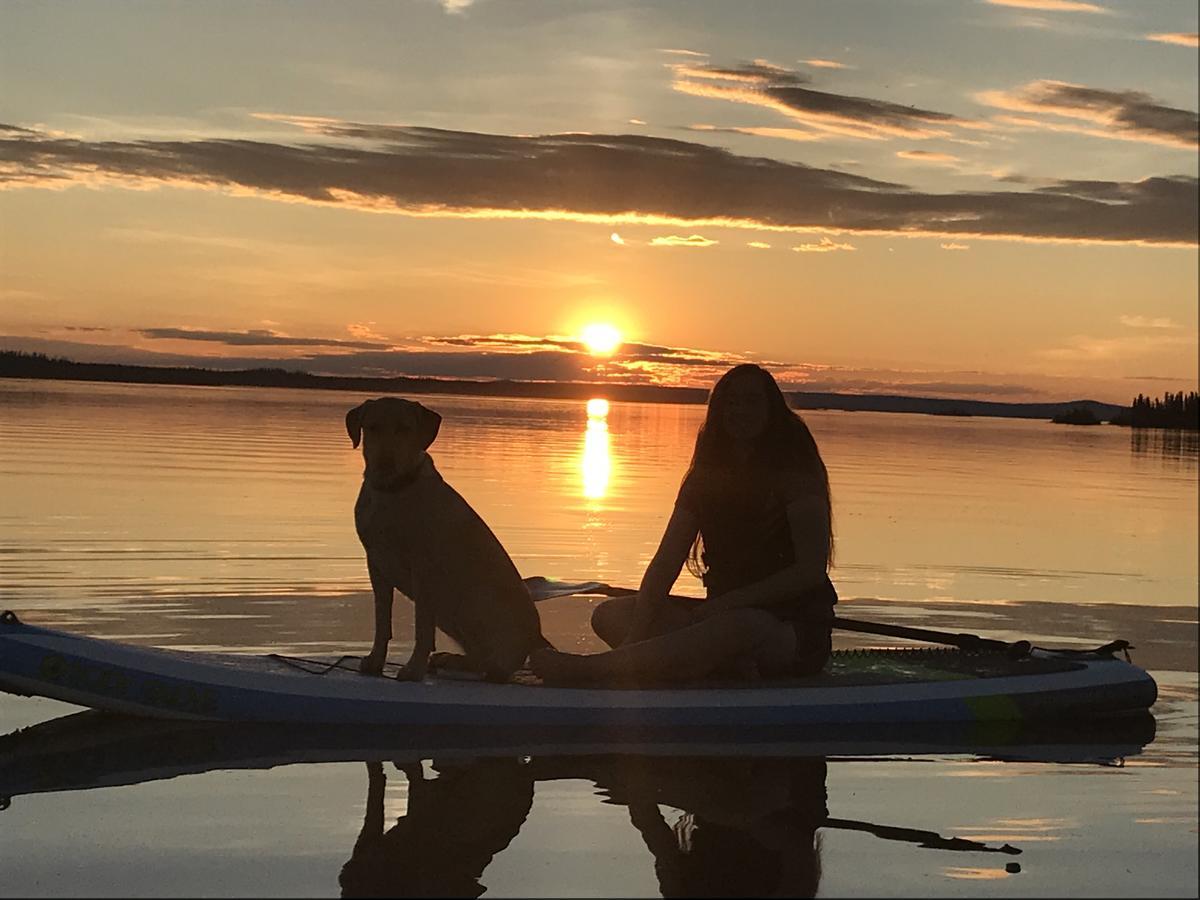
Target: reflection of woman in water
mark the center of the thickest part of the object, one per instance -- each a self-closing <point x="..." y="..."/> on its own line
<point x="749" y="826"/>
<point x="753" y="519"/>
<point x="454" y="826"/>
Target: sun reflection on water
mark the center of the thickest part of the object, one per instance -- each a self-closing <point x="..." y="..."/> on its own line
<point x="596" y="463"/>
<point x="970" y="873"/>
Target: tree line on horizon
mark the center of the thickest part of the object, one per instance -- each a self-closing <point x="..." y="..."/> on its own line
<point x="1174" y="410"/>
<point x="23" y="364"/>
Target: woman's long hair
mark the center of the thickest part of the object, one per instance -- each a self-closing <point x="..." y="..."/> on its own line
<point x="784" y="444"/>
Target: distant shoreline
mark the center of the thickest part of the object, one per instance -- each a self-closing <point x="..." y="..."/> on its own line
<point x="37" y="366"/>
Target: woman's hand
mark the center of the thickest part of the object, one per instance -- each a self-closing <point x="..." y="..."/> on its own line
<point x="640" y="627"/>
<point x="664" y="568"/>
<point x="716" y="605"/>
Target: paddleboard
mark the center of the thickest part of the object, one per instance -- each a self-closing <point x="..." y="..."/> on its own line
<point x="866" y="687"/>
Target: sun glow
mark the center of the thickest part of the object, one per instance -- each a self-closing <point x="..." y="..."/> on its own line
<point x="600" y="338"/>
<point x="597" y="408"/>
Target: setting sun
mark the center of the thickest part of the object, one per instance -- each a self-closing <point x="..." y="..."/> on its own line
<point x="601" y="339"/>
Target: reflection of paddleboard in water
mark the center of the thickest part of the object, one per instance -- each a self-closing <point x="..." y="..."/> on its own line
<point x="857" y="687"/>
<point x="732" y="807"/>
<point x="93" y="749"/>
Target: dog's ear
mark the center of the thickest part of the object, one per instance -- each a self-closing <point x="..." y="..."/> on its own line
<point x="427" y="427"/>
<point x="354" y="423"/>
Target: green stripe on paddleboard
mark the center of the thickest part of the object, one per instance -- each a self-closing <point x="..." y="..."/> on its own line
<point x="998" y="706"/>
<point x="901" y="669"/>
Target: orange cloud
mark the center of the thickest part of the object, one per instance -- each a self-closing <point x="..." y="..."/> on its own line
<point x="1053" y="6"/>
<point x="1128" y="115"/>
<point x="825" y="245"/>
<point x="365" y="331"/>
<point x="674" y="240"/>
<point x="1179" y="38"/>
<point x="1082" y="347"/>
<point x="927" y="156"/>
<point x="787" y="134"/>
<point x="759" y="72"/>
<point x="1145" y="322"/>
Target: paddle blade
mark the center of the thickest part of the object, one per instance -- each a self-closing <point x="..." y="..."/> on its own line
<point x="542" y="588"/>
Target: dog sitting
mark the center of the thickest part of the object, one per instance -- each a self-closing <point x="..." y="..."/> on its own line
<point x="424" y="540"/>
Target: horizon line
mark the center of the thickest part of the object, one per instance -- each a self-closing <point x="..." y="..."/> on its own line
<point x="692" y="393"/>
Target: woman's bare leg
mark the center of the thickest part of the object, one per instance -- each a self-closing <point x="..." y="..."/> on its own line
<point x="613" y="618"/>
<point x="687" y="653"/>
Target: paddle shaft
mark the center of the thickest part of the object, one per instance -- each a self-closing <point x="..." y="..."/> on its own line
<point x="961" y="640"/>
<point x="930" y="839"/>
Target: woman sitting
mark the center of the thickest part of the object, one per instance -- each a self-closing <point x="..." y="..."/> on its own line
<point x="753" y="519"/>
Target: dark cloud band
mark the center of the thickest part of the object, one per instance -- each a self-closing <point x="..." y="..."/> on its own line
<point x="253" y="338"/>
<point x="595" y="177"/>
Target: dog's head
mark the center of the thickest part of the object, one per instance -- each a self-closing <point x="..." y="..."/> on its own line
<point x="394" y="434"/>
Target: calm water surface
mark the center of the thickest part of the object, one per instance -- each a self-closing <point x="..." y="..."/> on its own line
<point x="220" y="518"/>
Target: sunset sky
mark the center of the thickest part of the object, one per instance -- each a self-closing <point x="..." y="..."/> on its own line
<point x="963" y="198"/>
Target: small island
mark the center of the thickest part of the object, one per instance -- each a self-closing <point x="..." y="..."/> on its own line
<point x="1079" y="415"/>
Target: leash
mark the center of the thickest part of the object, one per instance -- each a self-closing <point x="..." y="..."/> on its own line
<point x="320" y="668"/>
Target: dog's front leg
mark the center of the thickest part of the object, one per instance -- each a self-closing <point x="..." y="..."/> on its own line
<point x="425" y="631"/>
<point x="372" y="664"/>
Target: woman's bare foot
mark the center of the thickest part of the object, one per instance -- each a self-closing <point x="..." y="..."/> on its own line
<point x="555" y="667"/>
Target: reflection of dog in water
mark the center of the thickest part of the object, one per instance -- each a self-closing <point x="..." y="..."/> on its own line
<point x="455" y="824"/>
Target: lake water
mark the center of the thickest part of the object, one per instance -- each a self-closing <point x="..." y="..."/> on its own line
<point x="220" y="518"/>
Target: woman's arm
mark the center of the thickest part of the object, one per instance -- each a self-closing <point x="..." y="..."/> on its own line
<point x="808" y="520"/>
<point x="664" y="568"/>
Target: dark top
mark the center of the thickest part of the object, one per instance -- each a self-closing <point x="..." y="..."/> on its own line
<point x="746" y="537"/>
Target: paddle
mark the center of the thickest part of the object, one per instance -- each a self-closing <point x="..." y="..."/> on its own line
<point x="541" y="588"/>
<point x="928" y="839"/>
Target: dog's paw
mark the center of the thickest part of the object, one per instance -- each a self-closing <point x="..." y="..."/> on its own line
<point x="371" y="665"/>
<point x="410" y="673"/>
<point x="444" y="661"/>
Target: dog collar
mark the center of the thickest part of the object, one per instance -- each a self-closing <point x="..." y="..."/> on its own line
<point x="400" y="482"/>
<point x="397" y="484"/>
